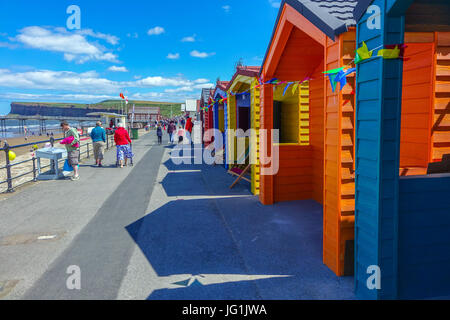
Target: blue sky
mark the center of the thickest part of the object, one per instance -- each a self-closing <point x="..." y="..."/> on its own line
<point x="150" y="50"/>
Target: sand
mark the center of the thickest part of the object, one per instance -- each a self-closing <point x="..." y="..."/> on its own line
<point x="24" y="154"/>
<point x="20" y="141"/>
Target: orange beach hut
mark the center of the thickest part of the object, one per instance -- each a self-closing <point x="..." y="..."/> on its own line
<point x="309" y="38"/>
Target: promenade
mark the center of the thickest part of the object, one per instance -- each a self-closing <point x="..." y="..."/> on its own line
<point x="160" y="231"/>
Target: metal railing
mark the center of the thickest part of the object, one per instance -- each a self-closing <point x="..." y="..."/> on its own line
<point x="10" y="178"/>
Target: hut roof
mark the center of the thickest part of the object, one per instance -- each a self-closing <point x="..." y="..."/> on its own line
<point x="332" y="17"/>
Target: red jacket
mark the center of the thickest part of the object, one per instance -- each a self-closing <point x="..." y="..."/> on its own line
<point x="189" y="125"/>
<point x="121" y="137"/>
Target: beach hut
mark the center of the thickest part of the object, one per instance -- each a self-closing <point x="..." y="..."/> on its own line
<point x="219" y="96"/>
<point x="206" y="115"/>
<point x="315" y="120"/>
<point x="242" y="113"/>
<point x="402" y="227"/>
<point x="312" y="37"/>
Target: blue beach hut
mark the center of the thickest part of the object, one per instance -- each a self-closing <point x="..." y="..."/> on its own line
<point x="402" y="224"/>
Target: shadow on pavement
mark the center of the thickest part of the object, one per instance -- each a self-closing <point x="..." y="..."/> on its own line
<point x="219" y="241"/>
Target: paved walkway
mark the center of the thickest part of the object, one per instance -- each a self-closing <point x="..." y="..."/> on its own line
<point x="161" y="231"/>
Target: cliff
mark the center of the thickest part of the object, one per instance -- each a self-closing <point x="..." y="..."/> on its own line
<point x="80" y="110"/>
<point x="25" y="109"/>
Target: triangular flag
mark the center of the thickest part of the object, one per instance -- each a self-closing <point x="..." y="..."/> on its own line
<point x="389" y="53"/>
<point x="333" y="82"/>
<point x="341" y="78"/>
<point x="287" y="86"/>
<point x="295" y="87"/>
<point x="334" y="71"/>
<point x="358" y="59"/>
<point x="363" y="53"/>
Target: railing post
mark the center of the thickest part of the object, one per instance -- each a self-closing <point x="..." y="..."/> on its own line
<point x="34" y="168"/>
<point x="87" y="145"/>
<point x="8" y="169"/>
<point x="107" y="142"/>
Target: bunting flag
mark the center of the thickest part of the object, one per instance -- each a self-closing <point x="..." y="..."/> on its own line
<point x="295" y="87"/>
<point x="342" y="76"/>
<point x="339" y="76"/>
<point x="334" y="71"/>
<point x="332" y="77"/>
<point x="287" y="86"/>
<point x="351" y="93"/>
<point x="363" y="53"/>
<point x="402" y="48"/>
<point x="121" y="95"/>
<point x="390" y="53"/>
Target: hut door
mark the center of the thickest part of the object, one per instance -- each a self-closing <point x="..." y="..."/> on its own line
<point x="277" y="117"/>
<point x="417" y="105"/>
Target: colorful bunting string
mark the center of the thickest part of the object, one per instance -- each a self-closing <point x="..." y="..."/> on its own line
<point x="335" y="76"/>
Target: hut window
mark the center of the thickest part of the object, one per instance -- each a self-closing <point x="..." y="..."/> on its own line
<point x="243" y="112"/>
<point x="286" y="120"/>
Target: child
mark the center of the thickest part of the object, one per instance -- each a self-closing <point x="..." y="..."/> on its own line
<point x="180" y="135"/>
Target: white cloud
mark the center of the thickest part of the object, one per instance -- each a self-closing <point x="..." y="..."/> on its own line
<point x="173" y="56"/>
<point x="201" y="81"/>
<point x="275" y="3"/>
<point x="111" y="39"/>
<point x="74" y="46"/>
<point x="57" y="97"/>
<point x="134" y="35"/>
<point x="67" y="85"/>
<point x="57" y="80"/>
<point x="190" y="88"/>
<point x="198" y="54"/>
<point x="156" y="31"/>
<point x="226" y="8"/>
<point x="160" y="82"/>
<point x="189" y="38"/>
<point x="8" y="45"/>
<point x="117" y="69"/>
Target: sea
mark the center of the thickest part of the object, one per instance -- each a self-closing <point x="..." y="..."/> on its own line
<point x="33" y="128"/>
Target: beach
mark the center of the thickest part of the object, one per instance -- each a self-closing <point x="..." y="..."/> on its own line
<point x="26" y="153"/>
<point x="21" y="140"/>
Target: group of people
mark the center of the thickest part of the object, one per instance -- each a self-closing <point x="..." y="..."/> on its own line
<point x="184" y="129"/>
<point x="121" y="139"/>
<point x="98" y="136"/>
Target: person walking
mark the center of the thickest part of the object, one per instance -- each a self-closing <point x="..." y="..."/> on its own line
<point x="159" y="134"/>
<point x="98" y="136"/>
<point x="188" y="128"/>
<point x="171" y="130"/>
<point x="122" y="140"/>
<point x="180" y="135"/>
<point x="73" y="149"/>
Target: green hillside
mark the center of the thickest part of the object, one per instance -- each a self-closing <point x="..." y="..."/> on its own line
<point x="165" y="107"/>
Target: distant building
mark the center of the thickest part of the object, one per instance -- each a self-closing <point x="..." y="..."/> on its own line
<point x="144" y="114"/>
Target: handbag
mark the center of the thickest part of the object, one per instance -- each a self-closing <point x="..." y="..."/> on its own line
<point x="67" y="167"/>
